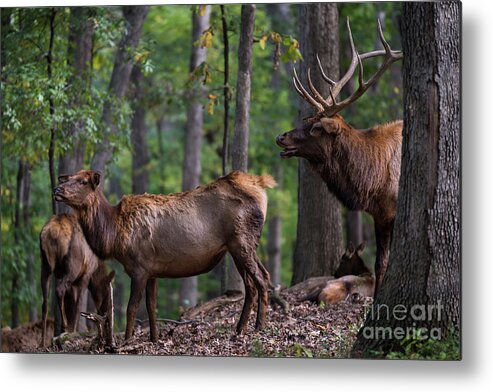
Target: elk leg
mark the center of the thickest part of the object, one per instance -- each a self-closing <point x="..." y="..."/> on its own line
<point x="80" y="290"/>
<point x="71" y="309"/>
<point x="261" y="281"/>
<point x="45" y="288"/>
<point x="61" y="289"/>
<point x="136" y="290"/>
<point x="151" y="295"/>
<point x="263" y="300"/>
<point x="250" y="294"/>
<point x="383" y="234"/>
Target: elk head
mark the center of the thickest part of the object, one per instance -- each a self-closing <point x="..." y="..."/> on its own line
<point x="73" y="189"/>
<point x="351" y="262"/>
<point x="315" y="136"/>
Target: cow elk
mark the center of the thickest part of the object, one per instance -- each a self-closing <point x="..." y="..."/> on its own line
<point x="177" y="235"/>
<point x="66" y="254"/>
<point x="352" y="277"/>
<point x="361" y="167"/>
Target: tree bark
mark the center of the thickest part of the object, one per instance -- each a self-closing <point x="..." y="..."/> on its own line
<point x="140" y="153"/>
<point x="79" y="57"/>
<point x="318" y="241"/>
<point x="193" y="141"/>
<point x="49" y="71"/>
<point x="226" y="97"/>
<point x="239" y="154"/>
<point x="354" y="227"/>
<point x="120" y="77"/>
<point x="424" y="266"/>
<point x="280" y="17"/>
<point x="22" y="195"/>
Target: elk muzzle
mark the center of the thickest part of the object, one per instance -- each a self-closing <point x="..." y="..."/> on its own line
<point x="289" y="150"/>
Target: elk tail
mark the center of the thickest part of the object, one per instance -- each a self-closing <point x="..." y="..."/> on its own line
<point x="267" y="181"/>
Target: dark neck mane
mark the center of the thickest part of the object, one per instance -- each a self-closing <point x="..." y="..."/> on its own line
<point x="338" y="171"/>
<point x="97" y="219"/>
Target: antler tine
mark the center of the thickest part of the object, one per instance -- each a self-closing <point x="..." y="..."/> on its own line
<point x="316" y="95"/>
<point x="329" y="105"/>
<point x="385" y="44"/>
<point x="352" y="67"/>
<point x="324" y="76"/>
<point x="304" y="94"/>
<point x="390" y="57"/>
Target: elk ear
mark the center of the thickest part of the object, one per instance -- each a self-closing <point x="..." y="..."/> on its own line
<point x="331" y="125"/>
<point x="95" y="179"/>
<point x="63" y="178"/>
<point x="349" y="250"/>
<point x="316" y="129"/>
<point x="360" y="248"/>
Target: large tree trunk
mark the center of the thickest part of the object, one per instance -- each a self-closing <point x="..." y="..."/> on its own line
<point x="318" y="240"/>
<point x="239" y="154"/>
<point x="193" y="141"/>
<point x="354" y="227"/>
<point x="79" y="57"/>
<point x="280" y="17"/>
<point x="424" y="267"/>
<point x="22" y="197"/>
<point x="120" y="77"/>
<point x="140" y="153"/>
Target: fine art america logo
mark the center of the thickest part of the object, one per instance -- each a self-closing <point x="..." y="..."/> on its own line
<point x="416" y="315"/>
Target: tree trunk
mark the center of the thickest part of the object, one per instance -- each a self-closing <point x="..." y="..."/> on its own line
<point x="424" y="267"/>
<point x="274" y="241"/>
<point x="26" y="220"/>
<point x="193" y="141"/>
<point x="53" y="130"/>
<point x="22" y="194"/>
<point x="318" y="241"/>
<point x="280" y="17"/>
<point x="162" y="126"/>
<point x="354" y="227"/>
<point x="140" y="153"/>
<point x="79" y="57"/>
<point x="120" y="77"/>
<point x="242" y="116"/>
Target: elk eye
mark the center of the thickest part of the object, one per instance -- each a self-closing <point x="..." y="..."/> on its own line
<point x="83" y="182"/>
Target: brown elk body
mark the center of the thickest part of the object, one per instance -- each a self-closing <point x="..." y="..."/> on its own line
<point x="351" y="277"/>
<point x="66" y="255"/>
<point x="178" y="235"/>
<point x="361" y="167"/>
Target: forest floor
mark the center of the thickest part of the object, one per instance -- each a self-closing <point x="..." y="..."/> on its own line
<point x="306" y="330"/>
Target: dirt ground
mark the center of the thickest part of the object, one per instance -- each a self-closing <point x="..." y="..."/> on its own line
<point x="306" y="330"/>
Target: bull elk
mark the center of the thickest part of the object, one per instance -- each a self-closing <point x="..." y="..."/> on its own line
<point x="177" y="235"/>
<point x="361" y="167"/>
<point x="66" y="254"/>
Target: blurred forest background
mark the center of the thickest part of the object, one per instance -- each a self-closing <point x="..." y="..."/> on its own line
<point x="55" y="111"/>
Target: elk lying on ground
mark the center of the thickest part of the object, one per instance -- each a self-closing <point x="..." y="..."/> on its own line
<point x="361" y="167"/>
<point x="352" y="277"/>
<point x="66" y="254"/>
<point x="174" y="236"/>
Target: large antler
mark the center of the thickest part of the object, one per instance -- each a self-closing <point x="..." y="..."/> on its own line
<point x="329" y="106"/>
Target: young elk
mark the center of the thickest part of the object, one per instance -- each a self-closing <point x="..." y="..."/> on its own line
<point x="352" y="277"/>
<point x="175" y="236"/>
<point x="66" y="254"/>
<point x="361" y="167"/>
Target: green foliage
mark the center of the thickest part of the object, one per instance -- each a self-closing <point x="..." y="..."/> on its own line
<point x="416" y="347"/>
